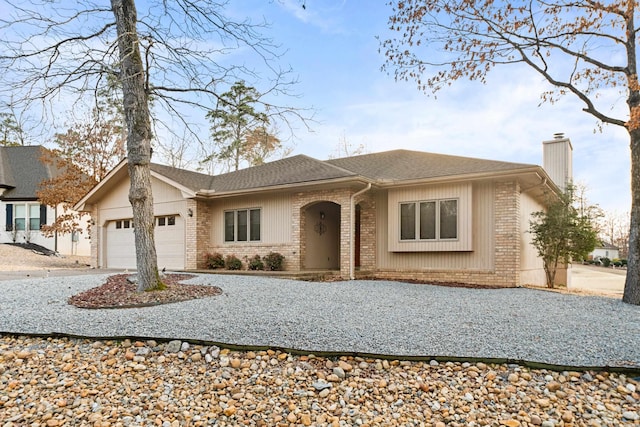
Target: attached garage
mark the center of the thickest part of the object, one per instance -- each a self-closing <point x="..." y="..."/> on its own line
<point x="169" y="237"/>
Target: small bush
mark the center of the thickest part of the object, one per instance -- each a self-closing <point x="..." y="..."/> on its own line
<point x="273" y="261"/>
<point x="214" y="261"/>
<point x="605" y="261"/>
<point x="255" y="263"/>
<point x="232" y="262"/>
<point x="623" y="262"/>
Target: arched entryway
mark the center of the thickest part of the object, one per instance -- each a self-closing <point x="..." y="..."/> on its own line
<point x="322" y="236"/>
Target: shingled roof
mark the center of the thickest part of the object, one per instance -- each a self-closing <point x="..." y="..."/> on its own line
<point x="378" y="168"/>
<point x="22" y="171"/>
<point x="403" y="165"/>
<point x="292" y="170"/>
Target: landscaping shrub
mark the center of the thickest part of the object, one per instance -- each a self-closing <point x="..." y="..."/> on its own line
<point x="232" y="262"/>
<point x="214" y="260"/>
<point x="605" y="261"/>
<point x="273" y="261"/>
<point x="255" y="263"/>
<point x="623" y="262"/>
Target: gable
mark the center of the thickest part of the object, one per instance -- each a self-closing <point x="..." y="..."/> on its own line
<point x="118" y="196"/>
<point x="115" y="203"/>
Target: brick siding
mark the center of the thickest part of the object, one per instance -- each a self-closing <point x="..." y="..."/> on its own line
<point x="506" y="271"/>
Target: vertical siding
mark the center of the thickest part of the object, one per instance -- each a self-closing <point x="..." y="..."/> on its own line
<point x="275" y="226"/>
<point x="532" y="272"/>
<point x="462" y="192"/>
<point x="557" y="160"/>
<point x="481" y="256"/>
<point x="167" y="200"/>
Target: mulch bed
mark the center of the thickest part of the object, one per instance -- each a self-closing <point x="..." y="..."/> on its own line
<point x="435" y="283"/>
<point x="118" y="292"/>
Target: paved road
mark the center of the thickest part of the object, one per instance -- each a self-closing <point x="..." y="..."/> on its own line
<point x="598" y="279"/>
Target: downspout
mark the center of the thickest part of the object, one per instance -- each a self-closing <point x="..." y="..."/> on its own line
<point x="55" y="238"/>
<point x="352" y="209"/>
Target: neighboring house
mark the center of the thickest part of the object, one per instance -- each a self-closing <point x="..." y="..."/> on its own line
<point x="605" y="250"/>
<point x="395" y="214"/>
<point x="21" y="214"/>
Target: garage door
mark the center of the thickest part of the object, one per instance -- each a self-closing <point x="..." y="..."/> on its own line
<point x="169" y="239"/>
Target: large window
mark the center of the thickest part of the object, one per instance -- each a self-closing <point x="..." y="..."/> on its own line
<point x="242" y="225"/>
<point x="429" y="220"/>
<point x="25" y="216"/>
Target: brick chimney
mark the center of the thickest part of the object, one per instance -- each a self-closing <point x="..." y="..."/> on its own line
<point x="558" y="160"/>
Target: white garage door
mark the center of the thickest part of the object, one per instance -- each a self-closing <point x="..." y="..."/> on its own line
<point x="169" y="239"/>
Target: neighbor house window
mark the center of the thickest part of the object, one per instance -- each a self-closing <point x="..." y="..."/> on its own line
<point x="25" y="216"/>
<point x="34" y="217"/>
<point x="20" y="218"/>
<point x="429" y="220"/>
<point x="242" y="225"/>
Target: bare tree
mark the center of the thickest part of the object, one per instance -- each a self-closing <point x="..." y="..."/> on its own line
<point x="171" y="53"/>
<point x="83" y="156"/>
<point x="580" y="48"/>
<point x="12" y="128"/>
<point x="176" y="151"/>
<point x="614" y="229"/>
<point x="344" y="148"/>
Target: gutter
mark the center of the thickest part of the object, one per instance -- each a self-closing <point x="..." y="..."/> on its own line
<point x="352" y="209"/>
<point x="211" y="194"/>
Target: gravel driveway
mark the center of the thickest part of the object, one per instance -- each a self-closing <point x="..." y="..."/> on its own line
<point x="373" y="317"/>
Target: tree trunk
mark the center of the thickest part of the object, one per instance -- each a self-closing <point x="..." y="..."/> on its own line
<point x="632" y="284"/>
<point x="136" y="110"/>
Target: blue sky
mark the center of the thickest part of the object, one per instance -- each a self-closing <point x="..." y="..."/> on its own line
<point x="332" y="48"/>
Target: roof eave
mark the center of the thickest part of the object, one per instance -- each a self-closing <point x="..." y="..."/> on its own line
<point x="212" y="194"/>
<point x="463" y="177"/>
<point x="187" y="193"/>
<point x="80" y="206"/>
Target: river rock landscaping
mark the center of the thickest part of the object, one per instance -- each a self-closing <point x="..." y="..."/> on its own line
<point x="63" y="381"/>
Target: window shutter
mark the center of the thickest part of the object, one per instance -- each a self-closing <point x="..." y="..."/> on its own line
<point x="9" y="217"/>
<point x="43" y="215"/>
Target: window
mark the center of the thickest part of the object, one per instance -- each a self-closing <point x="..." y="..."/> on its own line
<point x="242" y="225"/>
<point x="166" y="221"/>
<point x="25" y="217"/>
<point x="34" y="217"/>
<point x="448" y="219"/>
<point x="20" y="218"/>
<point x="429" y="220"/>
<point x="126" y="224"/>
<point x="118" y="224"/>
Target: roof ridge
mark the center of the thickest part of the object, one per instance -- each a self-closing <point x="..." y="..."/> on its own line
<point x="429" y="153"/>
